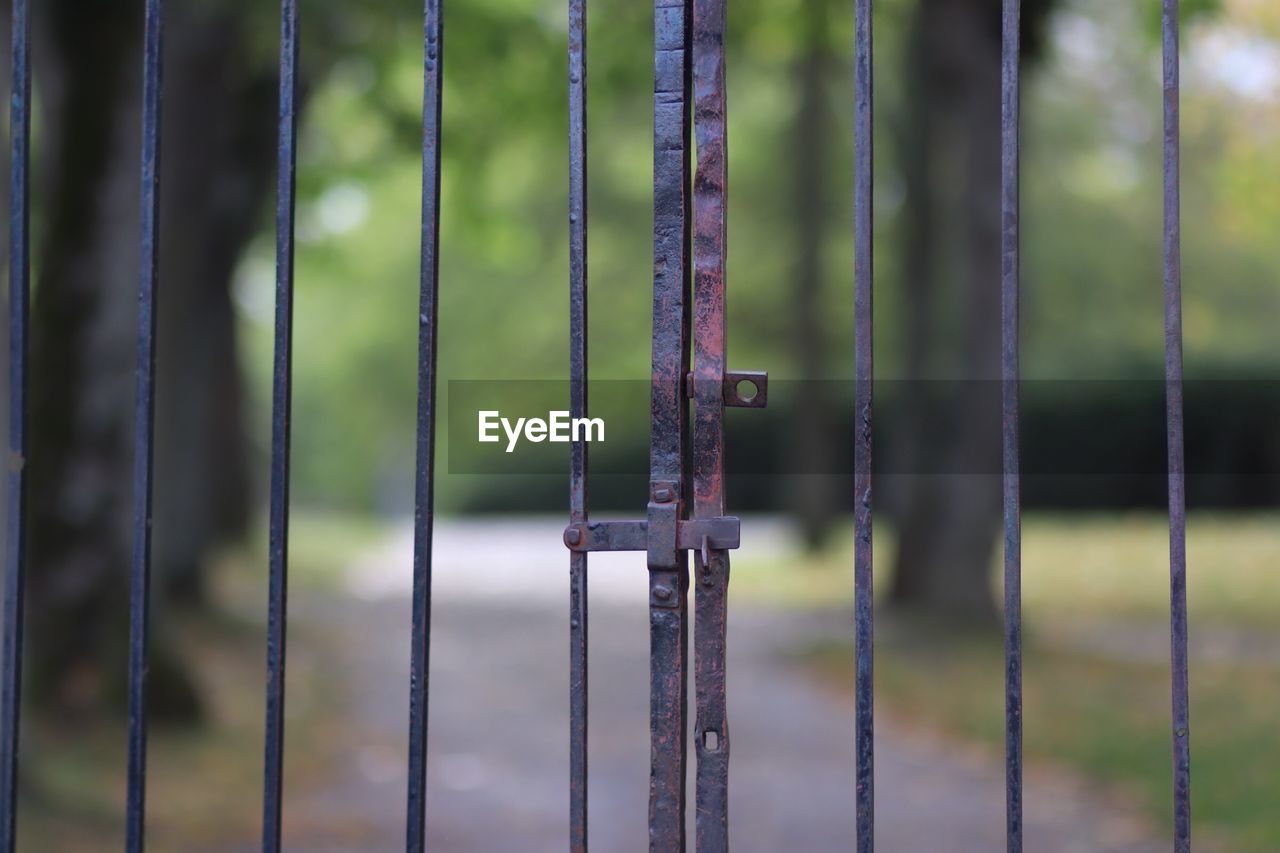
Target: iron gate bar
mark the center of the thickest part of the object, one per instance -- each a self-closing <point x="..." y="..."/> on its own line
<point x="668" y="566"/>
<point x="1009" y="375"/>
<point x="424" y="474"/>
<point x="144" y="427"/>
<point x="578" y="409"/>
<point x="710" y="185"/>
<point x="1174" y="433"/>
<point x="15" y="508"/>
<point x="278" y="535"/>
<point x="864" y="628"/>
<point x="666" y="533"/>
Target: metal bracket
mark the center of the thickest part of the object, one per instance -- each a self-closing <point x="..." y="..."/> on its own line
<point x="755" y="398"/>
<point x="692" y="534"/>
<point x="662" y="522"/>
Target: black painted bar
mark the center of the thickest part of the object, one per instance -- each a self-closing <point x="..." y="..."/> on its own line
<point x="1174" y="435"/>
<point x="278" y="535"/>
<point x="1012" y="483"/>
<point x="144" y="428"/>
<point x="864" y="629"/>
<point x="424" y="475"/>
<point x="15" y="507"/>
<point x="578" y="409"/>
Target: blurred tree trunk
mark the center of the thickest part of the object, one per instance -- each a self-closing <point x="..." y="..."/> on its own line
<point x="812" y="496"/>
<point x="216" y="162"/>
<point x="949" y="506"/>
<point x="219" y="166"/>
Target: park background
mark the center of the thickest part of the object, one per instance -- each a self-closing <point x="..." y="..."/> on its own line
<point x="1092" y="345"/>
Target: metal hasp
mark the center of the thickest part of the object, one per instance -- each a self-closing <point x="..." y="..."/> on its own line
<point x="686" y="457"/>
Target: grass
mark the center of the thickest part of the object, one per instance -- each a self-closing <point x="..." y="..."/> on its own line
<point x="204" y="784"/>
<point x="1073" y="565"/>
<point x="74" y="782"/>
<point x="1093" y="698"/>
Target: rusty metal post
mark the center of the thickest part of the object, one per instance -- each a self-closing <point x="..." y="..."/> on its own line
<point x="709" y="202"/>
<point x="668" y="566"/>
<point x="680" y="476"/>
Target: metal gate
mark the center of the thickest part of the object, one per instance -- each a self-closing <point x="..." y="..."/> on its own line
<point x="690" y="389"/>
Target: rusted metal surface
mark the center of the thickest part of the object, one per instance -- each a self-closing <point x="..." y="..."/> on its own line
<point x="692" y="534"/>
<point x="1009" y="375"/>
<point x="282" y="383"/>
<point x="668" y="566"/>
<point x="578" y="409"/>
<point x="709" y="202"/>
<point x="144" y="427"/>
<point x="746" y="389"/>
<point x="862" y="367"/>
<point x="742" y="389"/>
<point x="1174" y="433"/>
<point x="16" y="496"/>
<point x="667" y="534"/>
<point x="424" y="473"/>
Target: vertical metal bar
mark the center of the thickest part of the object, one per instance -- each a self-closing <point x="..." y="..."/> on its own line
<point x="668" y="569"/>
<point x="1174" y="434"/>
<point x="278" y="537"/>
<point x="1009" y="374"/>
<point x="424" y="477"/>
<point x="144" y="426"/>
<point x="864" y="628"/>
<point x="578" y="409"/>
<point x="709" y="341"/>
<point x="15" y="540"/>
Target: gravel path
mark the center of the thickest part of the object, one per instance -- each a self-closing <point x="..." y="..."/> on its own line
<point x="498" y="728"/>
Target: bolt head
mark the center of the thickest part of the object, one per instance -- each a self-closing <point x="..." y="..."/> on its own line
<point x="662" y="494"/>
<point x="572" y="536"/>
<point x="662" y="592"/>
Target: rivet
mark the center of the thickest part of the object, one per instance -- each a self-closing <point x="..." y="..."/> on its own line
<point x="573" y="536"/>
<point x="662" y="592"/>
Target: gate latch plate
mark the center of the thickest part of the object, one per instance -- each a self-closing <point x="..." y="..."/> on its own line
<point x="754" y="396"/>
